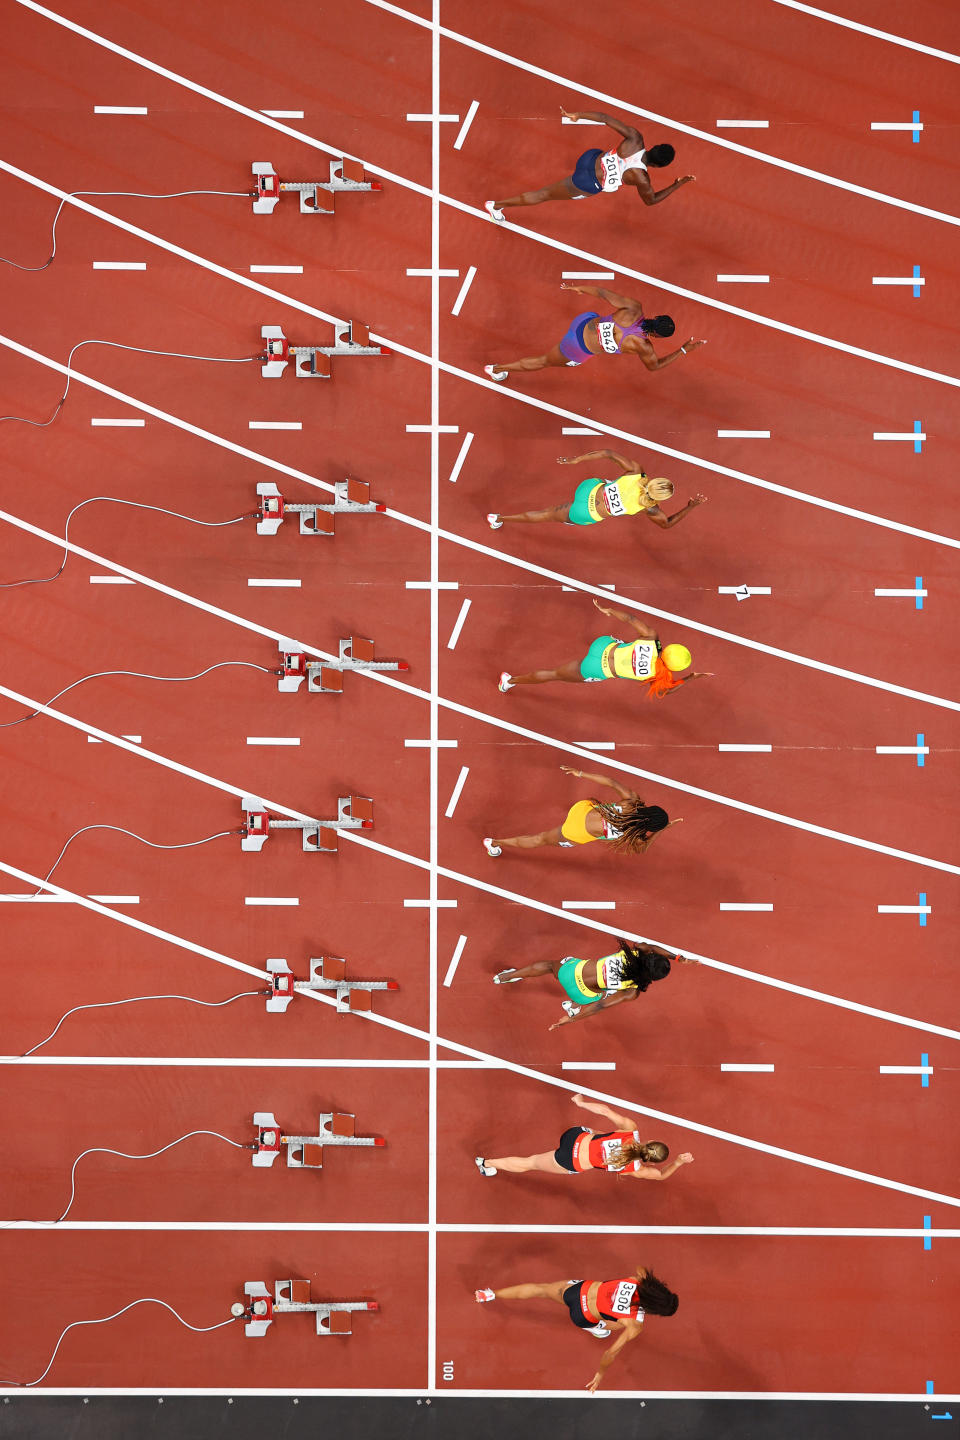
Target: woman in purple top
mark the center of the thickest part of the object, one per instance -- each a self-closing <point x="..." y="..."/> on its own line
<point x="625" y="331"/>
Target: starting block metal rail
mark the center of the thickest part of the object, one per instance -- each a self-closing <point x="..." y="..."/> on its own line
<point x="326" y="676"/>
<point x="354" y="812"/>
<point x="305" y="1152"/>
<point x="350" y="497"/>
<point x="316" y="196"/>
<point x="292" y="1297"/>
<point x="312" y="362"/>
<point x="327" y="972"/>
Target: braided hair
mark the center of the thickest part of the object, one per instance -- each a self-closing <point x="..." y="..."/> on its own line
<point x="655" y="1297"/>
<point x="642" y="966"/>
<point x="635" y="821"/>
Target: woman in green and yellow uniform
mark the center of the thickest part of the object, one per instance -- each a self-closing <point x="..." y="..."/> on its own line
<point x="596" y="500"/>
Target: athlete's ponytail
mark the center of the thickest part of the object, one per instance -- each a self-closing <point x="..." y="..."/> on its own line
<point x="650" y="1152"/>
<point x="656" y="490"/>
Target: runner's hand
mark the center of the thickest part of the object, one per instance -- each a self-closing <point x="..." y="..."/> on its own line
<point x="692" y="344"/>
<point x="686" y="179"/>
<point x="595" y="1382"/>
<point x="570" y="114"/>
<point x="601" y="608"/>
<point x="697" y="500"/>
<point x="569" y="770"/>
<point x="564" y="460"/>
<point x="674" y="822"/>
<point x="685" y="1159"/>
<point x="578" y="1100"/>
<point x="564" y="1021"/>
<point x="577" y="289"/>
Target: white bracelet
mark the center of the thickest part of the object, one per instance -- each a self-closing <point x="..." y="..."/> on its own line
<point x="683" y="350"/>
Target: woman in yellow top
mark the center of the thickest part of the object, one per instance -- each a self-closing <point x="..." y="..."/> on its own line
<point x="596" y="500"/>
<point x="628" y="824"/>
<point x="609" y="658"/>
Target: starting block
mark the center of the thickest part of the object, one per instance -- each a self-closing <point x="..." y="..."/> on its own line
<point x="316" y="196"/>
<point x="354" y="812"/>
<point x="326" y="973"/>
<point x="292" y="1297"/>
<point x="350" y="497"/>
<point x="305" y="1152"/>
<point x="326" y="676"/>
<point x="312" y="362"/>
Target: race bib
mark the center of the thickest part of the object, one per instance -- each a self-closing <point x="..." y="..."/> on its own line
<point x="611" y="493"/>
<point x="623" y="1298"/>
<point x="606" y="336"/>
<point x="611" y="170"/>
<point x="644" y="658"/>
<point x="614" y="971"/>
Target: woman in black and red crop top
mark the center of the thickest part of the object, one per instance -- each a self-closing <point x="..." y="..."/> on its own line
<point x="620" y="1151"/>
<point x="600" y="1306"/>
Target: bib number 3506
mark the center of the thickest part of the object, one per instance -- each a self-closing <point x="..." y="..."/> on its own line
<point x="623" y="1297"/>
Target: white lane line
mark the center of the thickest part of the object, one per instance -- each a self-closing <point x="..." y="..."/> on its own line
<point x="274" y="425"/>
<point x="906" y="1069"/>
<point x="457" y="790"/>
<point x="283" y="114"/>
<point x="586" y="275"/>
<point x="136" y="739"/>
<point x="743" y="434"/>
<point x="429" y="744"/>
<point x="119" y="264"/>
<point x="467" y="122"/>
<point x="596" y="744"/>
<point x="869" y="30"/>
<point x="749" y="1069"/>
<point x="898" y="435"/>
<point x="424" y="429"/>
<point x="578" y="430"/>
<point x="743" y="279"/>
<point x="426" y="904"/>
<point x="898" y="280"/>
<point x="267" y="584"/>
<point x="455" y="632"/>
<point x="454" y="475"/>
<point x="904" y="909"/>
<point x="105" y="423"/>
<point x="588" y="1065"/>
<point x="463" y="291"/>
<point x="589" y="905"/>
<point x="745" y="749"/>
<point x="276" y="269"/>
<point x="273" y="740"/>
<point x="271" y="900"/>
<point x="430" y="585"/>
<point x="744" y="905"/>
<point x="116" y="899"/>
<point x="912" y="593"/>
<point x="449" y="119"/>
<point x="494" y="721"/>
<point x="109" y="580"/>
<point x="903" y="749"/>
<point x="454" y="962"/>
<point x="428" y="274"/>
<point x="896" y="125"/>
<point x="742" y="124"/>
<point x="743" y="592"/>
<point x="120" y="110"/>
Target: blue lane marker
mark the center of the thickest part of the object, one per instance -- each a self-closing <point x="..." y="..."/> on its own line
<point x="929" y="1387"/>
<point x="928" y="1240"/>
<point x="922" y="900"/>
<point x="924" y="1079"/>
<point x="919" y="579"/>
<point x="916" y="288"/>
<point x="916" y="127"/>
<point x="921" y="742"/>
<point x="917" y="430"/>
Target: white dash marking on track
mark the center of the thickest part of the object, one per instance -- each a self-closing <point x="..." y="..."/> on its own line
<point x="458" y="626"/>
<point x="745" y="749"/>
<point x="578" y="430"/>
<point x="265" y="584"/>
<point x="108" y="423"/>
<point x="904" y="909"/>
<point x="467" y="122"/>
<point x="274" y="425"/>
<point x="745" y="905"/>
<point x="116" y="899"/>
<point x="110" y="580"/>
<point x="745" y="435"/>
<point x="588" y="1065"/>
<point x="589" y="905"/>
<point x="119" y="264"/>
<point x="457" y="790"/>
<point x="742" y="124"/>
<point x="586" y="275"/>
<point x="284" y="114"/>
<point x="276" y="269"/>
<point x="743" y="279"/>
<point x="906" y="1069"/>
<point x="454" y="961"/>
<point x="425" y="904"/>
<point x="454" y="475"/>
<point x="273" y="740"/>
<point x="596" y="744"/>
<point x="749" y="1069"/>
<point x="271" y="900"/>
<point x="120" y="110"/>
<point x="463" y="291"/>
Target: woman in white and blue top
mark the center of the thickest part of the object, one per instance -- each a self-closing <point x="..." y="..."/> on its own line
<point x="599" y="172"/>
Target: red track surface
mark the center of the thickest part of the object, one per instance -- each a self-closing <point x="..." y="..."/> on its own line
<point x="758" y="1313"/>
